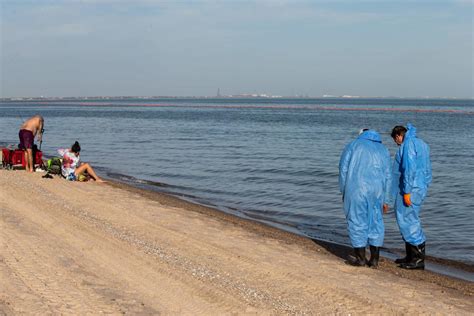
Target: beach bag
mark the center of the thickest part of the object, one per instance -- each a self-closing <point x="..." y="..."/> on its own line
<point x="54" y="165"/>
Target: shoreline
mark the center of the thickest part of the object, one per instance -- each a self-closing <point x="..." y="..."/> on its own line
<point x="267" y="230"/>
<point x="189" y="203"/>
<point x="86" y="248"/>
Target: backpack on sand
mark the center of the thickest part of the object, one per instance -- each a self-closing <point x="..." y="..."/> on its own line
<point x="54" y="165"/>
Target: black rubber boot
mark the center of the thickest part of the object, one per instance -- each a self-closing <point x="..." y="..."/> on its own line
<point x="359" y="260"/>
<point x="417" y="260"/>
<point x="407" y="257"/>
<point x="374" y="257"/>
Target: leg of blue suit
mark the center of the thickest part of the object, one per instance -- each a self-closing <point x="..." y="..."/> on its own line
<point x="356" y="215"/>
<point x="376" y="226"/>
<point x="408" y="219"/>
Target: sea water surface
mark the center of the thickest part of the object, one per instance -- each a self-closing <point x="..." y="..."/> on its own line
<point x="271" y="160"/>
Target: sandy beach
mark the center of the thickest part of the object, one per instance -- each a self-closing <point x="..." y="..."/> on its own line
<point x="87" y="248"/>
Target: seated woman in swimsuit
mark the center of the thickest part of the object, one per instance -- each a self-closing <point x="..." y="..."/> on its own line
<point x="71" y="169"/>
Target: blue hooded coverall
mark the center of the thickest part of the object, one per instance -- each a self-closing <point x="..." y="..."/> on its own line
<point x="364" y="181"/>
<point x="411" y="174"/>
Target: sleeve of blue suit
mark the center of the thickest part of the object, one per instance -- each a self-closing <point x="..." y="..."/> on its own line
<point x="428" y="168"/>
<point x="408" y="166"/>
<point x="344" y="167"/>
<point x="388" y="178"/>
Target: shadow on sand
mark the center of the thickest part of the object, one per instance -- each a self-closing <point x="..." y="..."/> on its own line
<point x="338" y="250"/>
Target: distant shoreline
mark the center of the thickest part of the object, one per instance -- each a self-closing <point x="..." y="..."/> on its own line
<point x="237" y="97"/>
<point x="320" y="104"/>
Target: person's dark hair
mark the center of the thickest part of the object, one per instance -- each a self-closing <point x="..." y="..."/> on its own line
<point x="398" y="130"/>
<point x="76" y="148"/>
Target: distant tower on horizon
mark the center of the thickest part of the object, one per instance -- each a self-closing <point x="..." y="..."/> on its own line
<point x="218" y="92"/>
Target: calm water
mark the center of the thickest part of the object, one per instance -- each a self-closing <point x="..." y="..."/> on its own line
<point x="271" y="160"/>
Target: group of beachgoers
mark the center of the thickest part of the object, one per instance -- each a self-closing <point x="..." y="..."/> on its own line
<point x="367" y="180"/>
<point x="71" y="169"/>
<point x="369" y="183"/>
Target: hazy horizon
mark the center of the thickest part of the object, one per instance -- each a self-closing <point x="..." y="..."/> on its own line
<point x="235" y="96"/>
<point x="87" y="48"/>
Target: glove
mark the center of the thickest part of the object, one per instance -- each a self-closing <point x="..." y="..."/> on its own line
<point x="406" y="199"/>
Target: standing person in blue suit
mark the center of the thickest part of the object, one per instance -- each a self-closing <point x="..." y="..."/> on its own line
<point x="411" y="179"/>
<point x="364" y="181"/>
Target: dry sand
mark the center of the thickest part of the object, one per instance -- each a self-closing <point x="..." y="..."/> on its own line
<point x="88" y="248"/>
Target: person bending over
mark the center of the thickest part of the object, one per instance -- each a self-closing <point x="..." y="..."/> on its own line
<point x="364" y="181"/>
<point x="71" y="168"/>
<point x="31" y="128"/>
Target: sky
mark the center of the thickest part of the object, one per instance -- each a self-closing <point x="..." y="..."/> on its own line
<point x="66" y="48"/>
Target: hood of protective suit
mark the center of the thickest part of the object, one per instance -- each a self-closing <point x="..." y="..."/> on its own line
<point x="411" y="131"/>
<point x="370" y="135"/>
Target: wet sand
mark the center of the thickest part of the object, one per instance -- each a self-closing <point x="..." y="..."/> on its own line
<point x="89" y="248"/>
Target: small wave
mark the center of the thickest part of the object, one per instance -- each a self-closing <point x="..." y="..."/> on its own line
<point x="133" y="180"/>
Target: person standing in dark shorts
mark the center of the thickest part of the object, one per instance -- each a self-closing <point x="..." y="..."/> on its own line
<point x="31" y="128"/>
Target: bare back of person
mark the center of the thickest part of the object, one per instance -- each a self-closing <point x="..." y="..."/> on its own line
<point x="33" y="124"/>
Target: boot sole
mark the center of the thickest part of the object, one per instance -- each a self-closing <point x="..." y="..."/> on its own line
<point x="411" y="267"/>
<point x="355" y="263"/>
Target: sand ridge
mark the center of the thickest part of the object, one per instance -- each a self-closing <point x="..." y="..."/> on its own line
<point x="88" y="248"/>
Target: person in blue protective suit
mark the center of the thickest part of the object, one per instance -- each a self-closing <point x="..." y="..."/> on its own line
<point x="364" y="181"/>
<point x="411" y="179"/>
